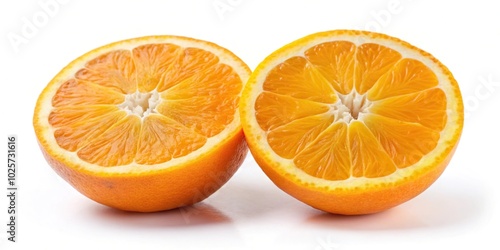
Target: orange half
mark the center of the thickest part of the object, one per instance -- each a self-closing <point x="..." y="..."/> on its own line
<point x="145" y="124"/>
<point x="352" y="122"/>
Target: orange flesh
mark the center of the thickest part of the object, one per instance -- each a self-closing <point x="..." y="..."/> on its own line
<point x="299" y="110"/>
<point x="193" y="105"/>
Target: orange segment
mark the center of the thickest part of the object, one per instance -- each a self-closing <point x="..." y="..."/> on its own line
<point x="115" y="70"/>
<point x="116" y="146"/>
<point x="152" y="61"/>
<point x="162" y="139"/>
<point x="296" y="77"/>
<point x="74" y="92"/>
<point x="209" y="111"/>
<point x="407" y="76"/>
<point x="189" y="62"/>
<point x="207" y="82"/>
<point x="405" y="143"/>
<point x="427" y="108"/>
<point x="76" y="135"/>
<point x="369" y="158"/>
<point x="329" y="157"/>
<point x="70" y="115"/>
<point x="352" y="122"/>
<point x="290" y="139"/>
<point x="372" y="61"/>
<point x="145" y="124"/>
<point x="335" y="61"/>
<point x="274" y="110"/>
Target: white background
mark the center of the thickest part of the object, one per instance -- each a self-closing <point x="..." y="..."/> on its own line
<point x="249" y="212"/>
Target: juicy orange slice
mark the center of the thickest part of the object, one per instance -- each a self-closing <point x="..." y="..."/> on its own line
<point x="145" y="124"/>
<point x="352" y="122"/>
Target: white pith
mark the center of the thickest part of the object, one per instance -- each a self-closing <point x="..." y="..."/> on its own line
<point x="141" y="103"/>
<point x="350" y="107"/>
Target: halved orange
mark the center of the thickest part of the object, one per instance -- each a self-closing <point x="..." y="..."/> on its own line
<point x="352" y="122"/>
<point x="145" y="124"/>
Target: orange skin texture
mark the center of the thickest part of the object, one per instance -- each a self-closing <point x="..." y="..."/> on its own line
<point x="161" y="189"/>
<point x="354" y="202"/>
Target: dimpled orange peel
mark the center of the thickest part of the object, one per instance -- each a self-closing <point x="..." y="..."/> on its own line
<point x="352" y="122"/>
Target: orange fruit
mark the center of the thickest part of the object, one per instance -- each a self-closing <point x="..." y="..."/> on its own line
<point x="352" y="122"/>
<point x="145" y="124"/>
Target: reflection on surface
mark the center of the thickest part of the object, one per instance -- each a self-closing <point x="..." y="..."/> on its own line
<point x="247" y="200"/>
<point x="195" y="215"/>
<point x="442" y="206"/>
